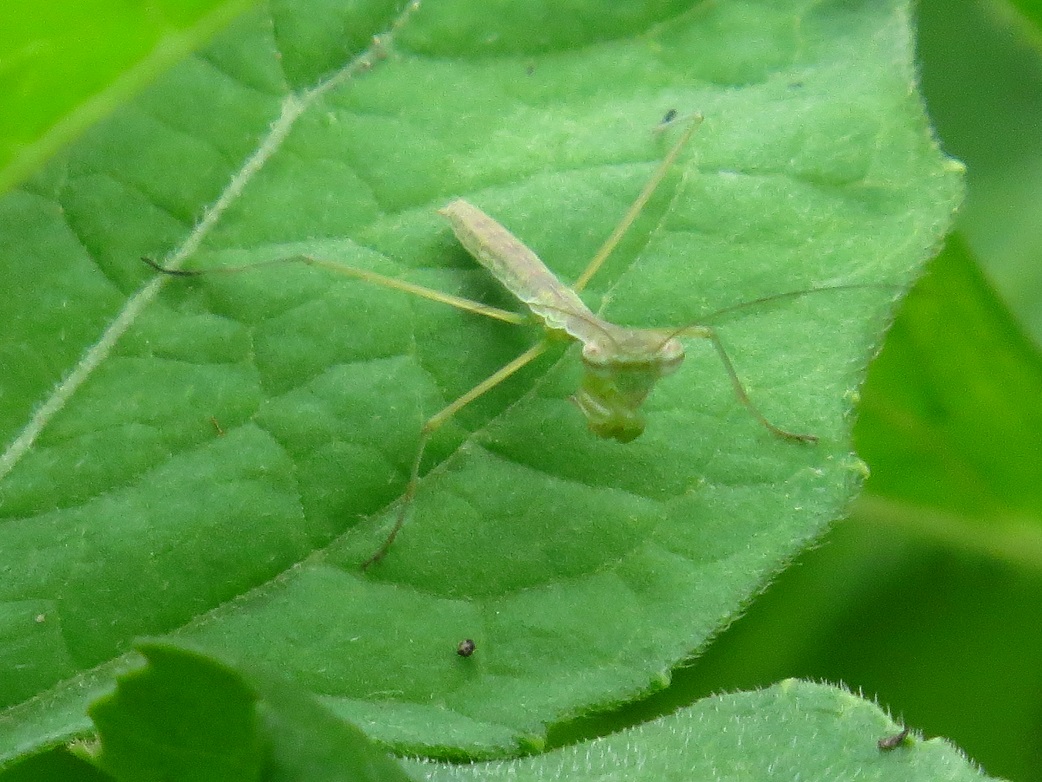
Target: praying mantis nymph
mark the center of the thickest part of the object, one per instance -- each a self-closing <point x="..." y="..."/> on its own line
<point x="620" y="365"/>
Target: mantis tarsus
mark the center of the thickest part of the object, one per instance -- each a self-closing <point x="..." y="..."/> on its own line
<point x="621" y="365"/>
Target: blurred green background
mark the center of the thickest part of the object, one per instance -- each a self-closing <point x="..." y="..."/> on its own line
<point x="928" y="598"/>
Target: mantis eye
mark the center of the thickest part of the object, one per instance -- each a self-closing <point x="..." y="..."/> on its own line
<point x="594" y="354"/>
<point x="672" y="350"/>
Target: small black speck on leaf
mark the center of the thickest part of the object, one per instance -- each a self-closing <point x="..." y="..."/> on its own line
<point x="465" y="648"/>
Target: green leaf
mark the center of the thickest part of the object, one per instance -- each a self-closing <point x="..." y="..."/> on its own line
<point x="67" y="65"/>
<point x="185" y="716"/>
<point x="794" y="730"/>
<point x="55" y="763"/>
<point x="181" y="717"/>
<point x="213" y="458"/>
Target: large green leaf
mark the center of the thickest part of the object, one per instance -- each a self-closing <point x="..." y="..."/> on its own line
<point x="214" y="458"/>
<point x="793" y="730"/>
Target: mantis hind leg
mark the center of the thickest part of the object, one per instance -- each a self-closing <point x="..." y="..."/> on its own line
<point x="432" y="424"/>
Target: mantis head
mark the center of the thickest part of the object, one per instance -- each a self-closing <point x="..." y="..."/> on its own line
<point x="619" y="373"/>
